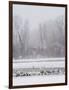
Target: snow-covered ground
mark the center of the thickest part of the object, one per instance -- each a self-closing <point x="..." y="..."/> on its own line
<point x="39" y="59"/>
<point x="39" y="63"/>
<point x="31" y="80"/>
<point x="48" y="62"/>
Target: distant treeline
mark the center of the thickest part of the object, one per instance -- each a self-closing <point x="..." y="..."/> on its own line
<point x="50" y="39"/>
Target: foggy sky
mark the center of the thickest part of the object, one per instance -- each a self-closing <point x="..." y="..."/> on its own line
<point x="37" y="14"/>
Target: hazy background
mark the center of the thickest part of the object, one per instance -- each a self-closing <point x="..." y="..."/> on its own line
<point x="38" y="31"/>
<point x="37" y="14"/>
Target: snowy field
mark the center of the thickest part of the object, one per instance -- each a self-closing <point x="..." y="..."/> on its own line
<point x="48" y="62"/>
<point x="39" y="63"/>
<point x="38" y="80"/>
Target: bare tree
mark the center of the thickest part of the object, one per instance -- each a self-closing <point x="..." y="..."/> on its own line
<point x="17" y="42"/>
<point x="61" y="34"/>
<point x="20" y="37"/>
<point x="41" y="36"/>
<point x="25" y="36"/>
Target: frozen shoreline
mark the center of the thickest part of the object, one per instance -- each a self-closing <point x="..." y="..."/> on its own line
<point x="43" y="63"/>
<point x="39" y="59"/>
